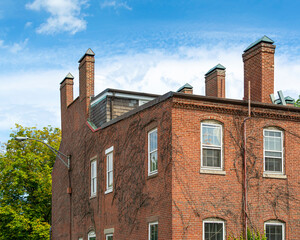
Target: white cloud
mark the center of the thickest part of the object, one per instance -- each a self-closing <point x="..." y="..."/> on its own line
<point x="115" y="4"/>
<point x="31" y="97"/>
<point x="14" y="47"/>
<point x="65" y="15"/>
<point x="28" y="24"/>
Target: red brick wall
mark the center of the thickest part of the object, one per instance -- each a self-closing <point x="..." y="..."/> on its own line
<point x="136" y="199"/>
<point x="197" y="196"/>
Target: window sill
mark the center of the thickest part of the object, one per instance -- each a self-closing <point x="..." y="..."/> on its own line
<point x="108" y="191"/>
<point x="274" y="175"/>
<point x="152" y="175"/>
<point x="93" y="196"/>
<point x="211" y="171"/>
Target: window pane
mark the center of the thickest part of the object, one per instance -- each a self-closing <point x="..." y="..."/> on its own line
<point x="273" y="164"/>
<point x="153" y="161"/>
<point x="153" y="141"/>
<point x="109" y="238"/>
<point x="109" y="162"/>
<point x="211" y="158"/>
<point x="110" y="179"/>
<point x="211" y="135"/>
<point x="274" y="232"/>
<point x="154" y="232"/>
<point x="213" y="231"/>
<point x="273" y="154"/>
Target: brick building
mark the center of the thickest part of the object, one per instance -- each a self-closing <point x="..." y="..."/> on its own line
<point x="146" y="166"/>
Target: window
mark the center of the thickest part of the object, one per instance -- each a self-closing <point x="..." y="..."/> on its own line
<point x="213" y="230"/>
<point x="93" y="177"/>
<point x="211" y="146"/>
<point x="152" y="152"/>
<point x="92" y="236"/>
<point x="273" y="151"/>
<point x="109" y="170"/>
<point x="109" y="237"/>
<point x="274" y="230"/>
<point x="153" y="231"/>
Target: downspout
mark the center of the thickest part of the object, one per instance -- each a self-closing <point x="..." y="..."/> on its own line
<point x="245" y="164"/>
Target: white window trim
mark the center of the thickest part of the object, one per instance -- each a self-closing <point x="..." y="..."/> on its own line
<point x="213" y="221"/>
<point x="108" y="235"/>
<point x="108" y="152"/>
<point x="274" y="222"/>
<point x="93" y="194"/>
<point x="149" y="160"/>
<point x="282" y="152"/>
<point x="91" y="234"/>
<point x="201" y="137"/>
<point x="149" y="228"/>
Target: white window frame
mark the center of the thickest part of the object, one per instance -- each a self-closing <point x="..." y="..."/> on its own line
<point x="149" y="160"/>
<point x="212" y="147"/>
<point x="213" y="221"/>
<point x="149" y="229"/>
<point x="108" y="235"/>
<point x="91" y="234"/>
<point x="109" y="156"/>
<point x="282" y="152"/>
<point x="93" y="178"/>
<point x="276" y="223"/>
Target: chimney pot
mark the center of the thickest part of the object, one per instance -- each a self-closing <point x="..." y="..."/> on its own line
<point x="215" y="82"/>
<point x="186" y="88"/>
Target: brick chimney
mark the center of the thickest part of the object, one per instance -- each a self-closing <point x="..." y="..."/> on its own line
<point x="86" y="77"/>
<point x="186" y="88"/>
<point x="66" y="95"/>
<point x="259" y="70"/>
<point x="215" y="82"/>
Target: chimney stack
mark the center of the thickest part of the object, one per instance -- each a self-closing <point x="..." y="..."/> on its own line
<point x="215" y="82"/>
<point x="66" y="91"/>
<point x="86" y="77"/>
<point x="186" y="88"/>
<point x="259" y="70"/>
<point x="66" y="95"/>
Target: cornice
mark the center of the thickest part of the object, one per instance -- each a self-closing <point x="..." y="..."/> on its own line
<point x="280" y="115"/>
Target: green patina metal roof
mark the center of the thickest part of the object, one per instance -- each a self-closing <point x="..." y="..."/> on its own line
<point x="219" y="66"/>
<point x="185" y="86"/>
<point x="69" y="75"/>
<point x="263" y="39"/>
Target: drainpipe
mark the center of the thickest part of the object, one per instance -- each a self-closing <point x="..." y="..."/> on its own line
<point x="245" y="164"/>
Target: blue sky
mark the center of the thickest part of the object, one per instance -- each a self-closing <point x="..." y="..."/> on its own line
<point x="142" y="45"/>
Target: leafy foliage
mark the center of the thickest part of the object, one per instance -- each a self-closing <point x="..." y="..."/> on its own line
<point x="251" y="235"/>
<point x="297" y="103"/>
<point x="25" y="184"/>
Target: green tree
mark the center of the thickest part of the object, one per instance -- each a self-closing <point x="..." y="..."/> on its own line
<point x="297" y="103"/>
<point x="25" y="184"/>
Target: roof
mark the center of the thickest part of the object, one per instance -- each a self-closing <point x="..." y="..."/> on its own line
<point x="168" y="95"/>
<point x="188" y="86"/>
<point x="262" y="39"/>
<point x="88" y="52"/>
<point x="219" y="66"/>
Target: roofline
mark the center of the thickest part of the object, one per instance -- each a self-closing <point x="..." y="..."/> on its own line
<point x="237" y="102"/>
<point x="125" y="92"/>
<point x="168" y="95"/>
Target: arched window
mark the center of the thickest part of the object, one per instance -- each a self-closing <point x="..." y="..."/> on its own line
<point x="92" y="235"/>
<point x="273" y="151"/>
<point x="213" y="229"/>
<point x="275" y="230"/>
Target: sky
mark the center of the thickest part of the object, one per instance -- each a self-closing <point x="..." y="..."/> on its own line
<point x="140" y="45"/>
